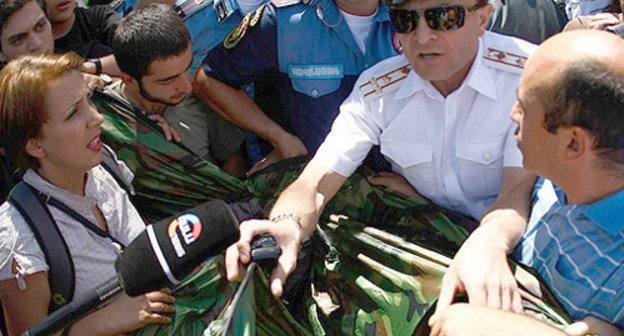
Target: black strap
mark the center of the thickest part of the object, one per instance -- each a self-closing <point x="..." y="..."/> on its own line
<point x="85" y="222"/>
<point x="109" y="163"/>
<point x="61" y="266"/>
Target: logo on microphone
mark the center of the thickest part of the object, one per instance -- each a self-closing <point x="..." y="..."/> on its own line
<point x="189" y="227"/>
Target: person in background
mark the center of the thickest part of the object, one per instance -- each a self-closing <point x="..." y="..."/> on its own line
<point x="610" y="21"/>
<point x="576" y="8"/>
<point x="315" y="49"/>
<point x="88" y="32"/>
<point x="533" y="21"/>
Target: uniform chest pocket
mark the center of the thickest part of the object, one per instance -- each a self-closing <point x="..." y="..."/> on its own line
<point x="414" y="162"/>
<point x="480" y="164"/>
<point x="316" y="80"/>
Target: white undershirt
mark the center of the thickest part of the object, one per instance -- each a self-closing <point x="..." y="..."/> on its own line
<point x="360" y="27"/>
<point x="247" y="6"/>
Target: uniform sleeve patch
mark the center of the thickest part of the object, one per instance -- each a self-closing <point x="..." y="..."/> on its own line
<point x="236" y="35"/>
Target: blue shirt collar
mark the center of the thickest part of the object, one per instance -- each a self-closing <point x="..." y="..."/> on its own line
<point x="608" y="212"/>
<point x="383" y="14"/>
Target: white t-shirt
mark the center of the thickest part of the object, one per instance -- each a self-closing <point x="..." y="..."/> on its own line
<point x="360" y="26"/>
<point x="247" y="6"/>
<point x="93" y="256"/>
<point x="451" y="149"/>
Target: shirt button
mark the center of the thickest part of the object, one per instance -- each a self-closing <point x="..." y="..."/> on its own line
<point x="487" y="156"/>
<point x="315" y="92"/>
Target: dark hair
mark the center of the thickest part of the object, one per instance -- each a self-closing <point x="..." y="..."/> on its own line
<point x="148" y="34"/>
<point x="24" y="82"/>
<point x="591" y="96"/>
<point x="9" y="7"/>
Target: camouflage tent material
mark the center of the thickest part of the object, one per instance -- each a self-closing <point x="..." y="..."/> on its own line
<point x="384" y="261"/>
<point x="381" y="278"/>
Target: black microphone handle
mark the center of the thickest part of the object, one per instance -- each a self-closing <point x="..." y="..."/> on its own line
<point x="76" y="309"/>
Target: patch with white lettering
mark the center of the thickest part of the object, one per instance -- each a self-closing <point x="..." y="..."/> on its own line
<point x="316" y="71"/>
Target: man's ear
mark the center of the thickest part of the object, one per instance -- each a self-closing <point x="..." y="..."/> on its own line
<point x="579" y="143"/>
<point x="34" y="148"/>
<point x="484" y="17"/>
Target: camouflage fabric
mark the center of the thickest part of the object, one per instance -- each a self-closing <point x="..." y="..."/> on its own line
<point x="383" y="277"/>
<point x="168" y="177"/>
<point x="380" y="278"/>
<point x="384" y="261"/>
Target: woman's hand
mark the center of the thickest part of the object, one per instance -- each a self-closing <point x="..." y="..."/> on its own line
<point x="126" y="314"/>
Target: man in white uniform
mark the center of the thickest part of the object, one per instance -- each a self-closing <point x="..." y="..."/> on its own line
<point x="440" y="113"/>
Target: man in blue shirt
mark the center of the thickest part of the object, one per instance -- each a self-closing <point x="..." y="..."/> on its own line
<point x="571" y="131"/>
<point x="316" y="48"/>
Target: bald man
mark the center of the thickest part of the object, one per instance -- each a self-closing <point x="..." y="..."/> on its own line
<point x="570" y="113"/>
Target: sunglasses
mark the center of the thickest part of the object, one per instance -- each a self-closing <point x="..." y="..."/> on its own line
<point x="443" y="18"/>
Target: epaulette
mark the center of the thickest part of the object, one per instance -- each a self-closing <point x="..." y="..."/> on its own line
<point x="386" y="81"/>
<point x="505" y="60"/>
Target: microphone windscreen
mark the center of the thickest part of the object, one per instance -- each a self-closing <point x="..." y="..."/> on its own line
<point x="170" y="249"/>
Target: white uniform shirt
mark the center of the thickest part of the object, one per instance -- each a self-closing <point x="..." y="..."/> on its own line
<point x="453" y="149"/>
<point x="93" y="256"/>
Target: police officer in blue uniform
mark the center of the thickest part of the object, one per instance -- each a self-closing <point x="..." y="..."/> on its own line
<point x="312" y="48"/>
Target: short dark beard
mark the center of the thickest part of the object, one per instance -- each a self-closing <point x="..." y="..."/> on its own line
<point x="151" y="98"/>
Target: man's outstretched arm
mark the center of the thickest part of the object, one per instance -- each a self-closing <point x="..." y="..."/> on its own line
<point x="295" y="215"/>
<point x="236" y="106"/>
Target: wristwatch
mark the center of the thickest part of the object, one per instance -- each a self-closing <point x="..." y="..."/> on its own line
<point x="106" y="78"/>
<point x="98" y="65"/>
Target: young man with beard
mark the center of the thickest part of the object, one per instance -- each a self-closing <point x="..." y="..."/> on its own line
<point x="152" y="47"/>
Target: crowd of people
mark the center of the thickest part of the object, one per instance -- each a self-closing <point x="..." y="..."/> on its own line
<point x="485" y="108"/>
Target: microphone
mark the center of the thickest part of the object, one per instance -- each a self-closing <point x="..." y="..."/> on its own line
<point x="160" y="256"/>
<point x="169" y="251"/>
